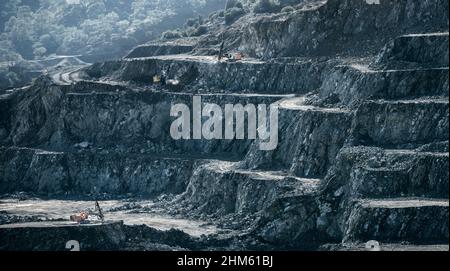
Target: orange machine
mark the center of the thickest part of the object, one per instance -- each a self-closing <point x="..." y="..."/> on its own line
<point x="79" y="218"/>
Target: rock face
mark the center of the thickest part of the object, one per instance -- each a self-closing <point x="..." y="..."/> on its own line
<point x="353" y="84"/>
<point x="105" y="116"/>
<point x="104" y="237"/>
<point x="203" y="72"/>
<point x="306" y="145"/>
<point x="88" y="172"/>
<point x="228" y="189"/>
<point x="158" y="49"/>
<point x="400" y="183"/>
<point x="335" y="26"/>
<point x="423" y="49"/>
<point x="362" y="92"/>
<point x="401" y="123"/>
<point x="400" y="219"/>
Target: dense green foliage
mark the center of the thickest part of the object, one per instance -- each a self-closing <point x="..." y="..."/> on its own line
<point x="33" y="29"/>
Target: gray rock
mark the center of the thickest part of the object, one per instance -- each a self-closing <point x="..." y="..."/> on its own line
<point x="418" y="48"/>
<point x="83" y="145"/>
<point x="363" y="146"/>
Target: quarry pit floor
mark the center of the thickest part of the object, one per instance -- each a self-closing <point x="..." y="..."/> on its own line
<point x="39" y="210"/>
<point x="35" y="214"/>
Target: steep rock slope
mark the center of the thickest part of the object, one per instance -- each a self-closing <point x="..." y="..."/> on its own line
<point x="363" y="127"/>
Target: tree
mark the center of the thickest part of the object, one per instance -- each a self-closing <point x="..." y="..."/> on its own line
<point x="266" y="6"/>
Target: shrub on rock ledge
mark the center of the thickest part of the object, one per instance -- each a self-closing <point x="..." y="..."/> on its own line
<point x="172" y="34"/>
<point x="233" y="14"/>
<point x="266" y="6"/>
<point x="288" y="9"/>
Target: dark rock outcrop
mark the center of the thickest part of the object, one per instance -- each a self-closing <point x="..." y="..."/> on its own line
<point x="53" y="236"/>
<point x="204" y="72"/>
<point x="92" y="171"/>
<point x="334" y="26"/>
<point x="419" y="48"/>
<point x="158" y="49"/>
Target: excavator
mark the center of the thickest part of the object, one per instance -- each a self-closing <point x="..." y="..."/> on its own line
<point x="229" y="57"/>
<point x="83" y="217"/>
